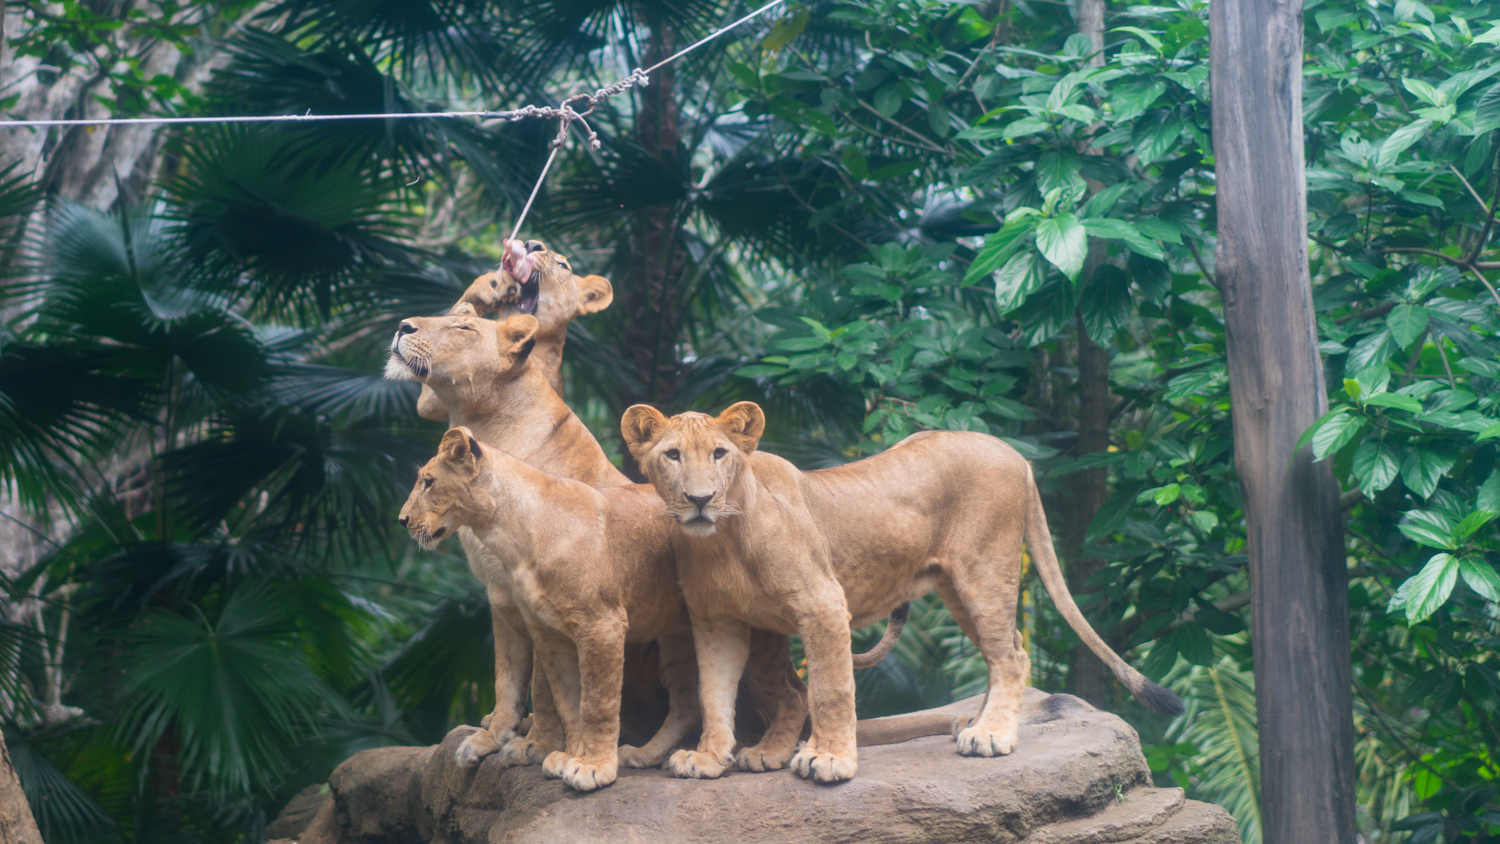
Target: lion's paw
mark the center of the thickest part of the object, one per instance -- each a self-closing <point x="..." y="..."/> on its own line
<point x="586" y="777"/>
<point x="760" y="759"/>
<point x="477" y="746"/>
<point x="690" y="764"/>
<point x="555" y="762"/>
<point x="524" y="751"/>
<point x="484" y="723"/>
<point x="823" y="767"/>
<point x="976" y="741"/>
<point x="963" y="722"/>
<point x="637" y="757"/>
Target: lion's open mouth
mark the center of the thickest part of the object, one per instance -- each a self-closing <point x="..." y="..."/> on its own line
<point x="530" y="290"/>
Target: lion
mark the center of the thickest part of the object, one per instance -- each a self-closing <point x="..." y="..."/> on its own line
<point x="481" y="371"/>
<point x="761" y="542"/>
<point x="531" y="279"/>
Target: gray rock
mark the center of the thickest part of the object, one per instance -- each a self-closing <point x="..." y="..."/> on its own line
<point x="1077" y="777"/>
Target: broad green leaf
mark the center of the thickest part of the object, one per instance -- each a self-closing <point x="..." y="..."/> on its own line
<point x="1489" y="493"/>
<point x="1141" y="34"/>
<point x="1373" y="350"/>
<point x="1194" y="644"/>
<point x="1113" y="513"/>
<point x="1154" y="138"/>
<point x="1422" y="594"/>
<point x="1131" y="98"/>
<point x="1396" y="401"/>
<point x="1025" y="126"/>
<point x="999" y="246"/>
<point x="1106" y="303"/>
<point x="1167" y="494"/>
<point x="1492" y="36"/>
<point x="1019" y="278"/>
<point x="1433" y="528"/>
<point x="1376" y="465"/>
<point x="1429" y="94"/>
<point x="1335" y="433"/>
<point x="1487" y="110"/>
<point x="1059" y="170"/>
<point x="1314" y="428"/>
<point x="1423" y="467"/>
<point x="1063" y="241"/>
<point x="1372" y="381"/>
<point x="1407" y="322"/>
<point x="1399" y="141"/>
<point x="1481" y="577"/>
<point x="1472" y="522"/>
<point x="890" y="98"/>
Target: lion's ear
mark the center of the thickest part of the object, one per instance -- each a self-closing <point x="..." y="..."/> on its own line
<point x="744" y="422"/>
<point x="517" y="335"/>
<point x="463" y="308"/>
<point x="641" y="426"/>
<point x="596" y="294"/>
<point x="460" y="448"/>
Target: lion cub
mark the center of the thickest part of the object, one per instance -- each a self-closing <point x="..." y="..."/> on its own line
<point x="761" y="542"/>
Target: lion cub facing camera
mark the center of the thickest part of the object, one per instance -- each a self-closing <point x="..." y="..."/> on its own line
<point x="760" y="542"/>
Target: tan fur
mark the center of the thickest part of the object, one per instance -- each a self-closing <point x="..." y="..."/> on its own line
<point x="589" y="569"/>
<point x="761" y="542"/>
<point x="481" y="371"/>
<point x="561" y="297"/>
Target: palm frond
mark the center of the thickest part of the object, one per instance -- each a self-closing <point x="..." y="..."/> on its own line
<point x="446" y="671"/>
<point x="238" y="696"/>
<point x="64" y="813"/>
<point x="1220" y="722"/>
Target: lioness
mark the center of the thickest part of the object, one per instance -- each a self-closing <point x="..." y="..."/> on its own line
<point x="761" y="542"/>
<point x="481" y="371"/>
<point x="589" y="569"/>
<point x="531" y="279"/>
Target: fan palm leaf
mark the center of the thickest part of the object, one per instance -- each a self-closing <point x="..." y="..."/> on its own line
<point x="1220" y="722"/>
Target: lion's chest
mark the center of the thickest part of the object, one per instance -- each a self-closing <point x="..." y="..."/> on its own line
<point x="717" y="581"/>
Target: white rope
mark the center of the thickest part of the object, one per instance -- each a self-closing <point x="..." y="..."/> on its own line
<point x="565" y="113"/>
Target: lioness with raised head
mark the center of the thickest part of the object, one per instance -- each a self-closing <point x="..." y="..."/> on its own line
<point x="761" y="542"/>
<point x="531" y="279"/>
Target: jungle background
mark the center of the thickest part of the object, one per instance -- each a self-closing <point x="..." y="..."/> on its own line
<point x="871" y="217"/>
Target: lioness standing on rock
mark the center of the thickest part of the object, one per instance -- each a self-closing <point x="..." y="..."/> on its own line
<point x="761" y="542"/>
<point x="589" y="569"/>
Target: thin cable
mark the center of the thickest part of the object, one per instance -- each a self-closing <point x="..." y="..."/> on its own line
<point x="534" y="190"/>
<point x="700" y="42"/>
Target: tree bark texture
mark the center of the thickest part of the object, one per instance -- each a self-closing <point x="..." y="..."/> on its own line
<point x="17" y="826"/>
<point x="1088" y="677"/>
<point x="657" y="252"/>
<point x="1299" y="581"/>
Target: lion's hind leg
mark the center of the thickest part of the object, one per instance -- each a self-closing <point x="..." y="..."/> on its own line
<point x="986" y="611"/>
<point x="679" y="673"/>
<point x="770" y="670"/>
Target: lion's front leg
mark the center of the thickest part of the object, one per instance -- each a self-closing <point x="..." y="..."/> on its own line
<point x="555" y="735"/>
<point x="723" y="645"/>
<point x="823" y="622"/>
<point x="513" y="667"/>
<point x="592" y="760"/>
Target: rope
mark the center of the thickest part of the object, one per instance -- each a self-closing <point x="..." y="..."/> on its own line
<point x="565" y="113"/>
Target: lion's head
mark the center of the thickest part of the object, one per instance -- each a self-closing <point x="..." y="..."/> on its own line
<point x="533" y="279"/>
<point x="444" y="493"/>
<point x="460" y="347"/>
<point x="694" y="459"/>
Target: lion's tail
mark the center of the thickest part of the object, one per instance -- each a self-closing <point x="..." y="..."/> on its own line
<point x="874" y="655"/>
<point x="1039" y="543"/>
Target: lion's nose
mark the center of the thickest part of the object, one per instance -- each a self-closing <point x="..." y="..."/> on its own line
<point x="534" y="246"/>
<point x="699" y="500"/>
<point x="407" y="328"/>
<point x="404" y="520"/>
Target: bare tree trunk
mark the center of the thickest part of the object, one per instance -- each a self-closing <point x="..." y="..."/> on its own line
<point x="17" y="826"/>
<point x="657" y="252"/>
<point x="1299" y="582"/>
<point x="1089" y="678"/>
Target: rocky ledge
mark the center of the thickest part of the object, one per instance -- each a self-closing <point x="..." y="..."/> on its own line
<point x="1078" y="777"/>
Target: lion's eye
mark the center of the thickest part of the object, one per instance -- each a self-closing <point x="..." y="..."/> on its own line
<point x="464" y="327"/>
<point x="673" y="455"/>
<point x="427" y="483"/>
<point x="720" y="452"/>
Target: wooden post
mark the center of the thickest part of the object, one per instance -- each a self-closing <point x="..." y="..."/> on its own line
<point x="1299" y="581"/>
